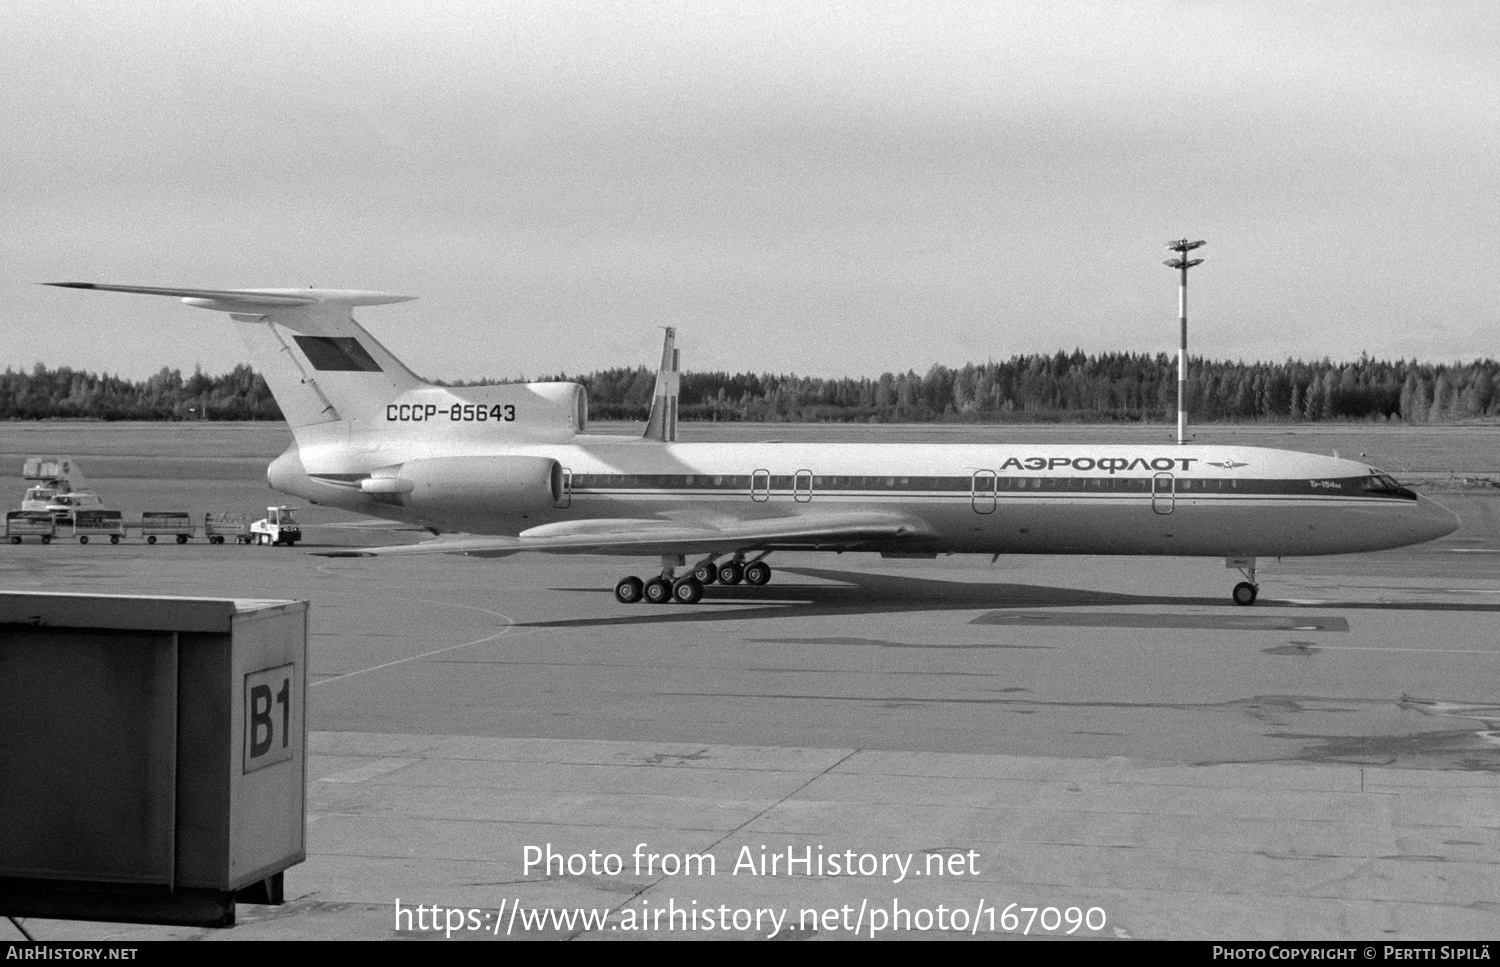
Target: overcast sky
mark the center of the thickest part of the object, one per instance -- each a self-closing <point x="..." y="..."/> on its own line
<point x="812" y="187"/>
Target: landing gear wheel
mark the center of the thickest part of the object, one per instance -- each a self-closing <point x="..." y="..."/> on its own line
<point x="688" y="590"/>
<point x="706" y="573"/>
<point x="629" y="591"/>
<point x="114" y="539"/>
<point x="151" y="539"/>
<point x="757" y="573"/>
<point x="731" y="573"/>
<point x="658" y="591"/>
<point x="1245" y="593"/>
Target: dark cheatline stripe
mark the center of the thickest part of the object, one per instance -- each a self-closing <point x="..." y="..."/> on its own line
<point x="981" y="487"/>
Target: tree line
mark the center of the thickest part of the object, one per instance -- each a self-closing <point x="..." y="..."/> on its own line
<point x="1126" y="387"/>
<point x="64" y="393"/>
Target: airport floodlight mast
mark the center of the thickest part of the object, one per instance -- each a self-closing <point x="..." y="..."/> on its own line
<point x="1182" y="246"/>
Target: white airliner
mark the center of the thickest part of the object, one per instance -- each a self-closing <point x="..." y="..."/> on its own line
<point x="503" y="469"/>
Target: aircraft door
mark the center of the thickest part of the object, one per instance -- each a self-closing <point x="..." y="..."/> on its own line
<point x="760" y="486"/>
<point x="982" y="492"/>
<point x="1163" y="493"/>
<point x="802" y="486"/>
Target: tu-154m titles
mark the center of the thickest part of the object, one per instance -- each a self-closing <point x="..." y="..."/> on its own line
<point x="494" y="470"/>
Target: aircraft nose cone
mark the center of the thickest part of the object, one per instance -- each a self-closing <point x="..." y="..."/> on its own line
<point x="1434" y="520"/>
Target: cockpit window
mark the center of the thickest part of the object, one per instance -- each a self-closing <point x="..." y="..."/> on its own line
<point x="1381" y="483"/>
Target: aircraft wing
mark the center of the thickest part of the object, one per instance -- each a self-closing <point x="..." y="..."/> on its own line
<point x="805" y="532"/>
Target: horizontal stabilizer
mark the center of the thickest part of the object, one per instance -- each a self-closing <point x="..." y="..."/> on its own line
<point x="320" y="364"/>
<point x="249" y="300"/>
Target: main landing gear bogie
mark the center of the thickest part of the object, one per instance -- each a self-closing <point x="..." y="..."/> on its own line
<point x="688" y="589"/>
<point x="757" y="573"/>
<point x="684" y="590"/>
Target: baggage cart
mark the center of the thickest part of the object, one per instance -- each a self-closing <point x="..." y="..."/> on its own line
<point x="29" y="523"/>
<point x="99" y="524"/>
<point x="217" y="527"/>
<point x="159" y="523"/>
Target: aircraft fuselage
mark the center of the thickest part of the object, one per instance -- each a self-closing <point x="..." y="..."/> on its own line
<point x="1093" y="499"/>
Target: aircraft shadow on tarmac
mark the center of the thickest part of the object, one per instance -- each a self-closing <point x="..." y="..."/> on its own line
<point x="863" y="593"/>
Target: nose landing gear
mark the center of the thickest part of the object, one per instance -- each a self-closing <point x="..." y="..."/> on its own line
<point x="1247" y="590"/>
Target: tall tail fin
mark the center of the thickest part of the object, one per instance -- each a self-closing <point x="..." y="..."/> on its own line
<point x="321" y="365"/>
<point x="662" y="424"/>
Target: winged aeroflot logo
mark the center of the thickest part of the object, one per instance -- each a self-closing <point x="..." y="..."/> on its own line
<point x="1226" y="464"/>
